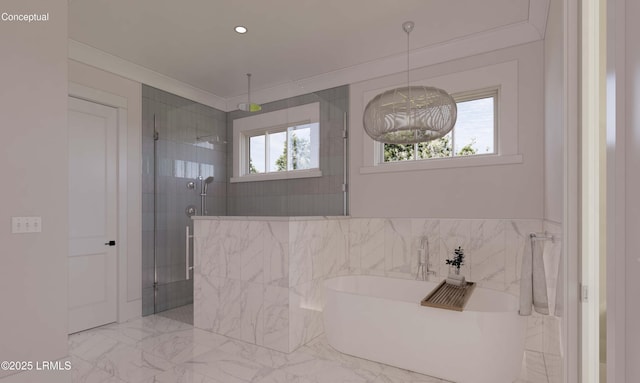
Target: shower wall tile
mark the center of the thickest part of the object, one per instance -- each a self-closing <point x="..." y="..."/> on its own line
<point x="302" y="197"/>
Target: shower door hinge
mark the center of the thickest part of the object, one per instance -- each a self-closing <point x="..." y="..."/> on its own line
<point x="344" y="187"/>
<point x="584" y="293"/>
<point x="344" y="134"/>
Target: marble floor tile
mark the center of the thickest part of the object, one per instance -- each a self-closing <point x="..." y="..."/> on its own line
<point x="182" y="374"/>
<point x="226" y="367"/>
<point x="160" y="350"/>
<point x="131" y="364"/>
<point x="85" y="372"/>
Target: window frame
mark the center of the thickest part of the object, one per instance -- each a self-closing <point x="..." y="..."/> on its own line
<point x="472" y="95"/>
<point x="274" y="122"/>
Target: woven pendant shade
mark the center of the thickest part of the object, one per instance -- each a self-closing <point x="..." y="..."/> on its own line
<point x="410" y="115"/>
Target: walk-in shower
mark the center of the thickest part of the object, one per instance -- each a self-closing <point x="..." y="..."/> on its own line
<point x="178" y="183"/>
<point x="187" y="167"/>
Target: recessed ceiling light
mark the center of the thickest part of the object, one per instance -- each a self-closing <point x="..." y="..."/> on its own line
<point x="240" y="29"/>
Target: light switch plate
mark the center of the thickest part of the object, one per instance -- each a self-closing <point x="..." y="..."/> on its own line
<point x="21" y="225"/>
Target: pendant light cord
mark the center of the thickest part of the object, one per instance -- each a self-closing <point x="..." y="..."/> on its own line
<point x="408" y="27"/>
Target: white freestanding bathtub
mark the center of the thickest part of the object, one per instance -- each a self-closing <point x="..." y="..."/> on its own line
<point x="381" y="319"/>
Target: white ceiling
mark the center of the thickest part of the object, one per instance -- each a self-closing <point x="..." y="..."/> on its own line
<point x="193" y="41"/>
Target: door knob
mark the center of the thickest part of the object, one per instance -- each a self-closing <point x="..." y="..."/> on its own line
<point x="110" y="243"/>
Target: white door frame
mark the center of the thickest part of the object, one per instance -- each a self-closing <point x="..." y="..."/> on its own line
<point x="120" y="103"/>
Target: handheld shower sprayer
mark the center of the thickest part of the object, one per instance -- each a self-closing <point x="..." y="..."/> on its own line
<point x="204" y="183"/>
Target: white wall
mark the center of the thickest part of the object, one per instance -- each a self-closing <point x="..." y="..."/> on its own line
<point x="33" y="169"/>
<point x="504" y="191"/>
<point x="632" y="179"/>
<point x="553" y="113"/>
<point x="130" y="279"/>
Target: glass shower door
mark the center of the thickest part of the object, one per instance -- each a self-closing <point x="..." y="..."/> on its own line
<point x="183" y="143"/>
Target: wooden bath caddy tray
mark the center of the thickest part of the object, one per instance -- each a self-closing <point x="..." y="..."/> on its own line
<point x="449" y="297"/>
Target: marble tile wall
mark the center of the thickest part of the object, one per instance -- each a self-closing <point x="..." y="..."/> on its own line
<point x="260" y="280"/>
<point x="241" y="280"/>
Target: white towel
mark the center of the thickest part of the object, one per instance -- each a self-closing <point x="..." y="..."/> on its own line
<point x="533" y="280"/>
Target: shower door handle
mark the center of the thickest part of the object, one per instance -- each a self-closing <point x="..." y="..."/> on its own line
<point x="186" y="245"/>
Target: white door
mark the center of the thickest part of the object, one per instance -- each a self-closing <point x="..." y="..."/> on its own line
<point x="92" y="214"/>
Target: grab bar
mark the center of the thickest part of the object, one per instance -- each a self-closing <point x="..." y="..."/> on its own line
<point x="186" y="262"/>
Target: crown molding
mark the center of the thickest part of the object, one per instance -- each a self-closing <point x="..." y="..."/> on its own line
<point x="102" y="60"/>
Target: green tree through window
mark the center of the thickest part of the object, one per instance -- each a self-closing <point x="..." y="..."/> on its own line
<point x="440" y="148"/>
<point x="300" y="154"/>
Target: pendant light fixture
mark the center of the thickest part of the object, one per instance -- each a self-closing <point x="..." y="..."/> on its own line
<point x="410" y="114"/>
<point x="248" y="106"/>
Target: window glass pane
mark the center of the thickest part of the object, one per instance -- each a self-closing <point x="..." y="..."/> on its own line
<point x="278" y="152"/>
<point x="299" y="144"/>
<point x="439" y="148"/>
<point x="474" y="130"/>
<point x="398" y="152"/>
<point x="256" y="154"/>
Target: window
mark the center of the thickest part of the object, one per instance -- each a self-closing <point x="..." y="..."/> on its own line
<point x="494" y="83"/>
<point x="283" y="149"/>
<point x="277" y="145"/>
<point x="474" y="133"/>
